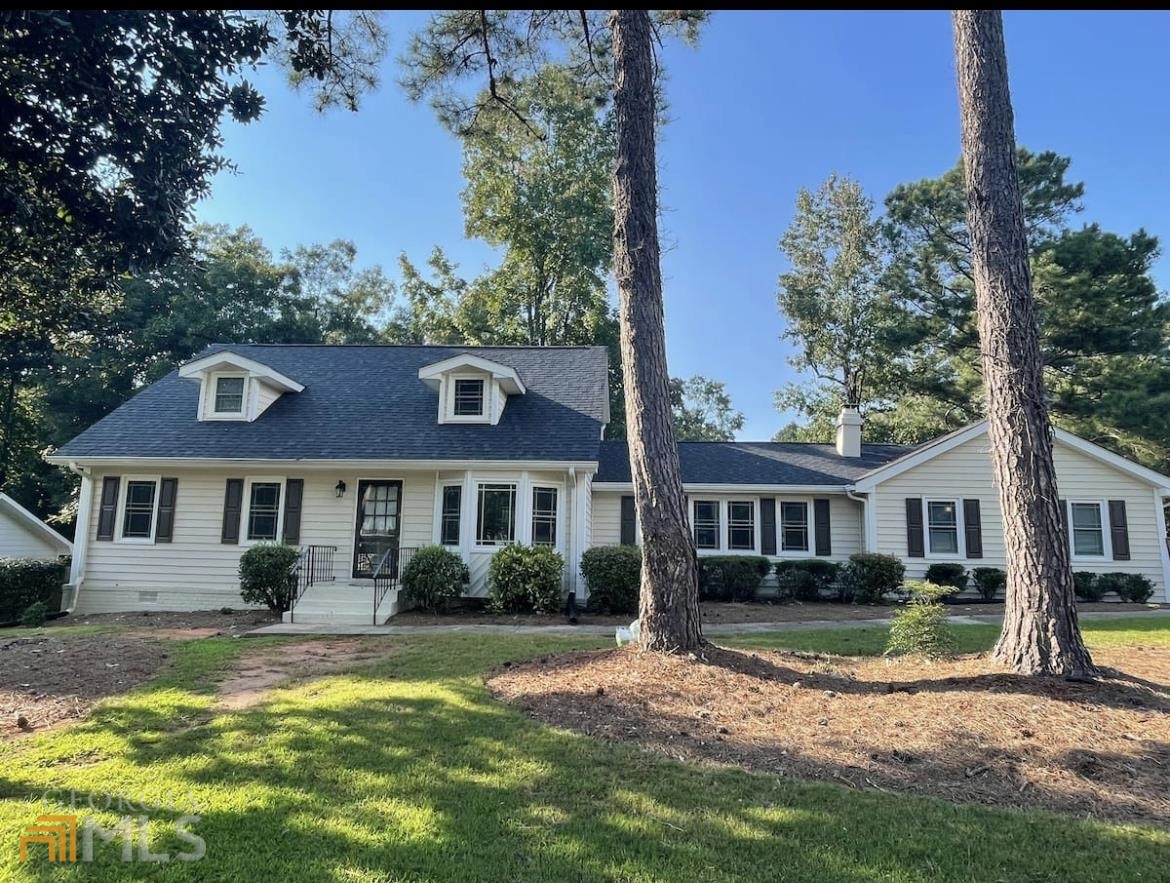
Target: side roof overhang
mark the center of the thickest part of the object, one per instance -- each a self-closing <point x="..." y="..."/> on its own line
<point x="234" y="362"/>
<point x="33" y="524"/>
<point x="872" y="479"/>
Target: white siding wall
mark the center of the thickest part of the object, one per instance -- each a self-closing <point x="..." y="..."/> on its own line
<point x="844" y="520"/>
<point x="196" y="571"/>
<point x="17" y="542"/>
<point x="965" y="472"/>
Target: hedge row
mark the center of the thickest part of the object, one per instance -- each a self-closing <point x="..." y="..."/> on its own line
<point x="28" y="581"/>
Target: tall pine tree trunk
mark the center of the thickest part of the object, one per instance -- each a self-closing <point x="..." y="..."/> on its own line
<point x="1040" y="633"/>
<point x="669" y="608"/>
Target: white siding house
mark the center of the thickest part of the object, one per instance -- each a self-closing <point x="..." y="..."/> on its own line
<point x="23" y="535"/>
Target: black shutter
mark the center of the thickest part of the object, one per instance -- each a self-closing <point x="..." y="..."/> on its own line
<point x="629" y="522"/>
<point x="168" y="489"/>
<point x="1064" y="524"/>
<point x="915" y="545"/>
<point x="233" y="504"/>
<point x="1119" y="530"/>
<point x="974" y="528"/>
<point x="767" y="525"/>
<point x="821" y="528"/>
<point x="294" y="492"/>
<point x="109" y="507"/>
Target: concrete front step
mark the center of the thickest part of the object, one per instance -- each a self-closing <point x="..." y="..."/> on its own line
<point x="332" y="604"/>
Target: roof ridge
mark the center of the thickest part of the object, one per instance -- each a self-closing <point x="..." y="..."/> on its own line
<point x="404" y="346"/>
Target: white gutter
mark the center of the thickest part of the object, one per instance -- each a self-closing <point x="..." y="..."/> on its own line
<point x="80" y="533"/>
<point x="865" y="516"/>
<point x="331" y="464"/>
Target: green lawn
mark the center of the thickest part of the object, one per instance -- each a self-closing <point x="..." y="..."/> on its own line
<point x="407" y="770"/>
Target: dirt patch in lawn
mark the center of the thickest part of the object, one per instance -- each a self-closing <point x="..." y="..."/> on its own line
<point x="176" y="624"/>
<point x="963" y="730"/>
<point x="46" y="680"/>
<point x="260" y="672"/>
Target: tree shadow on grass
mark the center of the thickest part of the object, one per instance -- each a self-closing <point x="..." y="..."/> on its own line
<point x="422" y="776"/>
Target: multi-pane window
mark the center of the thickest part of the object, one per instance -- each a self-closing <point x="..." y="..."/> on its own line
<point x="229" y="395"/>
<point x="942" y="526"/>
<point x="263" y="510"/>
<point x="449" y="519"/>
<point x="544" y="516"/>
<point x="741" y="525"/>
<point x="706" y="524"/>
<point x="793" y="526"/>
<point x="496" y="524"/>
<point x="468" y="398"/>
<point x="1088" y="535"/>
<point x="138" y="517"/>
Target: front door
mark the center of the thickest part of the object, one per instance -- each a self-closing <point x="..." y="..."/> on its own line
<point x="378" y="509"/>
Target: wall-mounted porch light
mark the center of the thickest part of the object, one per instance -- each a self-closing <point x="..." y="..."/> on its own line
<point x="339" y="489"/>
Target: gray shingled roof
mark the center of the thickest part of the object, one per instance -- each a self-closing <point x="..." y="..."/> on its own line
<point x="366" y="402"/>
<point x="779" y="463"/>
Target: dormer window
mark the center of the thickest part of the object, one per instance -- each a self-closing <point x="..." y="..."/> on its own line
<point x="229" y="395"/>
<point x="468" y="398"/>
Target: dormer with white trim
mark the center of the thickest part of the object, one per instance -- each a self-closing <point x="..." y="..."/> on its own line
<point x="471" y="389"/>
<point x="232" y="387"/>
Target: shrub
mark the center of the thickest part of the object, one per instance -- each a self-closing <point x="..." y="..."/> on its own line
<point x="1132" y="587"/>
<point x="35" y="615"/>
<point x="731" y="577"/>
<point x="433" y="578"/>
<point x="1088" y="586"/>
<point x="947" y="573"/>
<point x="921" y="628"/>
<point x="989" y="581"/>
<point x="25" y="581"/>
<point x="525" y="578"/>
<point x="614" y="577"/>
<point x="870" y="576"/>
<point x="266" y="575"/>
<point x="806" y="579"/>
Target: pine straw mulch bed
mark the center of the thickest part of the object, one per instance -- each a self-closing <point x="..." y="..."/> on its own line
<point x="46" y="680"/>
<point x="962" y="730"/>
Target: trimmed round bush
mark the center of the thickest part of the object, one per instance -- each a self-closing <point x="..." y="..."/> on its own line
<point x="34" y="615"/>
<point x="990" y="581"/>
<point x="27" y="581"/>
<point x="1088" y="587"/>
<point x="1132" y="587"/>
<point x="731" y="577"/>
<point x="870" y="576"/>
<point x="432" y="578"/>
<point x="947" y="573"/>
<point x="806" y="579"/>
<point x="266" y="575"/>
<point x="614" y="577"/>
<point x="525" y="579"/>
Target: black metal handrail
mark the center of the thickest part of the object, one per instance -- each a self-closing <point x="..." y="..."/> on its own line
<point x="386" y="574"/>
<point x="313" y="565"/>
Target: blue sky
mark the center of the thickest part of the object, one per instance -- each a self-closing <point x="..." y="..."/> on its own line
<point x="766" y="104"/>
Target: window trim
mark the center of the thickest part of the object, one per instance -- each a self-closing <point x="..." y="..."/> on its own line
<point x="217" y="379"/>
<point x="755" y="525"/>
<point x="207" y="396"/>
<point x="558" y="520"/>
<point x="960" y="530"/>
<point x="720" y="521"/>
<point x="517" y="503"/>
<point x="1106" y="533"/>
<point x="246" y="507"/>
<point x="120" y="513"/>
<point x="809" y="549"/>
<point x="449" y="414"/>
<point x="438" y="532"/>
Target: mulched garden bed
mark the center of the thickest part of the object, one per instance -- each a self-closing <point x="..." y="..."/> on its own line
<point x="231" y="623"/>
<point x="962" y="730"/>
<point x="46" y="679"/>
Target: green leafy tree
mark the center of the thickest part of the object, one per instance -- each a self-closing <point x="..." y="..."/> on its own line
<point x="703" y="410"/>
<point x="837" y="311"/>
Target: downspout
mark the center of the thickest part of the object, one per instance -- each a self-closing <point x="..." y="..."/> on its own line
<point x="864" y="501"/>
<point x="80" y="533"/>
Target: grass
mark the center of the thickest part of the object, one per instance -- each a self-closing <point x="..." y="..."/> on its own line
<point x="408" y="770"/>
<point x="871" y="640"/>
